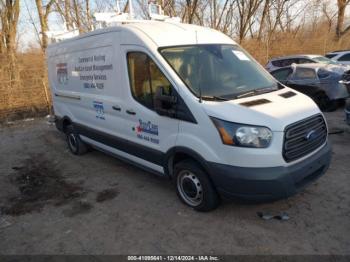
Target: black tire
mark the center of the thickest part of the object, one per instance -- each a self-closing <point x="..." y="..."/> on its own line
<point x="194" y="187"/>
<point x="75" y="144"/>
<point x="324" y="103"/>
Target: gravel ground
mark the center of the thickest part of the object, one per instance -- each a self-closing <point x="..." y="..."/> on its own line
<point x="55" y="203"/>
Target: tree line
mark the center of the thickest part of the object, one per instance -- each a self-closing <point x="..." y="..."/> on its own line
<point x="240" y="19"/>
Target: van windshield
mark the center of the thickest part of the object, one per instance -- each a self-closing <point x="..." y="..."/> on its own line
<point x="221" y="71"/>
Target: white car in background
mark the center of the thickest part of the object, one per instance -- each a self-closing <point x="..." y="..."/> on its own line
<point x="340" y="56"/>
<point x="279" y="62"/>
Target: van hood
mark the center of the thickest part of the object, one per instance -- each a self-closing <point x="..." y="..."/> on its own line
<point x="271" y="109"/>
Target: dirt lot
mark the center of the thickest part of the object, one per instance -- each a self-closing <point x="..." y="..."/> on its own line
<point x="55" y="203"/>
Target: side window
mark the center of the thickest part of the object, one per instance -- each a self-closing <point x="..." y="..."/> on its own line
<point x="344" y="58"/>
<point x="145" y="78"/>
<point x="305" y="73"/>
<point x="287" y="62"/>
<point x="294" y="61"/>
<point x="330" y="55"/>
<point x="305" y="61"/>
<point x="276" y="63"/>
<point x="282" y="74"/>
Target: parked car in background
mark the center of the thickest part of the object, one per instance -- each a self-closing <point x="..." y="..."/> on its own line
<point x="279" y="62"/>
<point x="327" y="85"/>
<point x="340" y="56"/>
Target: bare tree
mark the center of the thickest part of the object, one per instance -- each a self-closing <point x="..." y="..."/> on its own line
<point x="340" y="31"/>
<point x="246" y="11"/>
<point x="190" y="11"/>
<point x="9" y="12"/>
<point x="63" y="7"/>
<point x="328" y="15"/>
<point x="77" y="13"/>
<point x="263" y="17"/>
<point x="88" y="15"/>
<point x="43" y="13"/>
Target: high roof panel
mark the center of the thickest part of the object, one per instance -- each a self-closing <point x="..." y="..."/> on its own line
<point x="164" y="33"/>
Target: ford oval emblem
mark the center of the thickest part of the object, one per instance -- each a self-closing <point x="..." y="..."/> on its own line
<point x="311" y="135"/>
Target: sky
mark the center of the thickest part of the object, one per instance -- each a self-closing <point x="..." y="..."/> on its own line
<point x="27" y="32"/>
<point x="29" y="26"/>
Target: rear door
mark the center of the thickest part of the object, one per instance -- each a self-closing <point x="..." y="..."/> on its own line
<point x="150" y="134"/>
<point x="88" y="68"/>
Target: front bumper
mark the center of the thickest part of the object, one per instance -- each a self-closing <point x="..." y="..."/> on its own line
<point x="266" y="184"/>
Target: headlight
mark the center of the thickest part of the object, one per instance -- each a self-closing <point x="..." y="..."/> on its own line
<point x="243" y="135"/>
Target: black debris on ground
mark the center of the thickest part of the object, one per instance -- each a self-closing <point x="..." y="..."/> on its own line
<point x="39" y="183"/>
<point x="106" y="194"/>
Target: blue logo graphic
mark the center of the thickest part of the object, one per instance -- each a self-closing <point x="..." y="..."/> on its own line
<point x="311" y="135"/>
<point x="100" y="113"/>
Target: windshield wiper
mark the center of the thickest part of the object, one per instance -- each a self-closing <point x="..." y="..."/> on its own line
<point x="245" y="94"/>
<point x="265" y="90"/>
<point x="217" y="98"/>
<point x="256" y="92"/>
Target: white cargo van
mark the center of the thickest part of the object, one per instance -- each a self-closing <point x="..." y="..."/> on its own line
<point x="188" y="103"/>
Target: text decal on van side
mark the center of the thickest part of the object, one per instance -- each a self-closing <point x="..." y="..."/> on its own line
<point x="93" y="70"/>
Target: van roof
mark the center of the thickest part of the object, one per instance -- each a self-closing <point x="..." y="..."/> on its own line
<point x="165" y="33"/>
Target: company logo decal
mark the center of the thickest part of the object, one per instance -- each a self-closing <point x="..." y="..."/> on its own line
<point x="100" y="112"/>
<point x="147" y="127"/>
<point x="62" y="73"/>
<point x="144" y="129"/>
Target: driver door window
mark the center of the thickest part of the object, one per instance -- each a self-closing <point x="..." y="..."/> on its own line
<point x="145" y="78"/>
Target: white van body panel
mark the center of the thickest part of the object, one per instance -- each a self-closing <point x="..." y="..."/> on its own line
<point x="146" y="37"/>
<point x="276" y="114"/>
<point x="89" y="80"/>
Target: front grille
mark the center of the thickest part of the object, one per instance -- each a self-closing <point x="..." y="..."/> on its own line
<point x="303" y="137"/>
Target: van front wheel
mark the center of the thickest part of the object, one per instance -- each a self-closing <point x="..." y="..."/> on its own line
<point x="194" y="188"/>
<point x="75" y="144"/>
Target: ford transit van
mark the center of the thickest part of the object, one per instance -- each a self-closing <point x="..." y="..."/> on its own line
<point x="188" y="103"/>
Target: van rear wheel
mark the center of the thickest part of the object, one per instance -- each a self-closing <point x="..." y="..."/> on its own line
<point x="194" y="188"/>
<point x="75" y="144"/>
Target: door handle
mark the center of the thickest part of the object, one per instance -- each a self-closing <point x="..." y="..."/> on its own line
<point x="131" y="112"/>
<point x="117" y="108"/>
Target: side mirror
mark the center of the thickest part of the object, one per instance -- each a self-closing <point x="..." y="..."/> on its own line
<point x="164" y="103"/>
